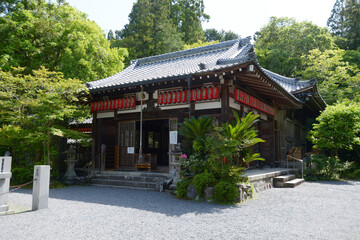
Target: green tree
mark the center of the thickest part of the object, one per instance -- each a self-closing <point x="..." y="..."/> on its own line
<point x="344" y="23"/>
<point x="199" y="44"/>
<point x="338" y="127"/>
<point x="337" y="78"/>
<point x="187" y="15"/>
<point x="110" y="35"/>
<point x="150" y="30"/>
<point x="58" y="37"/>
<point x="214" y="35"/>
<point x="281" y="43"/>
<point x="353" y="57"/>
<point x="35" y="108"/>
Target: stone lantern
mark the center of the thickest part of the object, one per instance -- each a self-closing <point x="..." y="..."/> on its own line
<point x="70" y="175"/>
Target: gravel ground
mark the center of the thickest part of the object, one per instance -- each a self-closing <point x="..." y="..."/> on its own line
<point x="321" y="210"/>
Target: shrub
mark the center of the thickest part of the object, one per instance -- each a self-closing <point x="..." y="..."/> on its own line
<point x="225" y="192"/>
<point x="203" y="180"/>
<point x="325" y="168"/>
<point x="193" y="165"/>
<point x="181" y="188"/>
<point x="21" y="175"/>
<point x="338" y="128"/>
<point x="353" y="172"/>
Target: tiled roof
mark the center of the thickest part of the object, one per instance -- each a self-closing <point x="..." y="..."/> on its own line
<point x="190" y="62"/>
<point x="289" y="84"/>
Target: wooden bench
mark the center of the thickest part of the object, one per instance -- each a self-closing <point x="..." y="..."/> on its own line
<point x="148" y="163"/>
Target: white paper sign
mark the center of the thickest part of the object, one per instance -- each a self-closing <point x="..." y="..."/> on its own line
<point x="173" y="137"/>
<point x="130" y="150"/>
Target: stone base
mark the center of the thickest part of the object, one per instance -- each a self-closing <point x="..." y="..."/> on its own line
<point x="4" y="208"/>
<point x="7" y="212"/>
<point x="262" y="184"/>
<point x="263" y="179"/>
<point x="244" y="191"/>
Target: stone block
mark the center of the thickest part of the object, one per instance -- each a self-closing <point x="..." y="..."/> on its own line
<point x="5" y="175"/>
<point x="208" y="193"/>
<point x="191" y="192"/>
<point x="41" y="186"/>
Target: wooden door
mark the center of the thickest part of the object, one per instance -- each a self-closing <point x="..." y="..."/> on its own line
<point x="127" y="135"/>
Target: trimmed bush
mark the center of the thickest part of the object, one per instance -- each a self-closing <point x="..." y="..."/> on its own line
<point x="325" y="168"/>
<point x="225" y="192"/>
<point x="203" y="180"/>
<point x="181" y="188"/>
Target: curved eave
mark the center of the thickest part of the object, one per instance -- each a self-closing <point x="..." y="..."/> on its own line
<point x="257" y="80"/>
<point x="297" y="103"/>
<point x="320" y="101"/>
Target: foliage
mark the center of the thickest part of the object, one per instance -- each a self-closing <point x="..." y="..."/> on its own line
<point x="325" y="168"/>
<point x="281" y="43"/>
<point x="181" y="188"/>
<point x="187" y="15"/>
<point x="193" y="165"/>
<point x="150" y="30"/>
<point x="232" y="145"/>
<point x="353" y="57"/>
<point x="35" y="33"/>
<point x="221" y="155"/>
<point x="21" y="175"/>
<point x="212" y="35"/>
<point x="225" y="192"/>
<point x="34" y="110"/>
<point x="161" y="26"/>
<point x="344" y="23"/>
<point x="195" y="130"/>
<point x="337" y="78"/>
<point x="203" y="180"/>
<point x="242" y="135"/>
<point x="199" y="43"/>
<point x="338" y="127"/>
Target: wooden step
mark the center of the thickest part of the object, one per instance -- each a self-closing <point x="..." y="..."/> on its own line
<point x="280" y="180"/>
<point x="295" y="182"/>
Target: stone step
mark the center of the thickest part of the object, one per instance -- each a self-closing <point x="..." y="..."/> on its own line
<point x="133" y="184"/>
<point x="280" y="180"/>
<point x="132" y="178"/>
<point x="135" y="173"/>
<point x="295" y="182"/>
<point x="123" y="187"/>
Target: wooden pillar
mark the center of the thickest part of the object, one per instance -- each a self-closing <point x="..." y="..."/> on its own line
<point x="94" y="142"/>
<point x="99" y="136"/>
<point x="224" y="101"/>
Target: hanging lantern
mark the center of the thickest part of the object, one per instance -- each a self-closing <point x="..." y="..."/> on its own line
<point x="184" y="96"/>
<point x="92" y="107"/>
<point x="169" y="97"/>
<point x="199" y="94"/>
<point x="216" y="92"/>
<point x="210" y="93"/>
<point x="205" y="94"/>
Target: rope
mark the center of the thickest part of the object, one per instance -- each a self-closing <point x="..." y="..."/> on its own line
<point x="16" y="187"/>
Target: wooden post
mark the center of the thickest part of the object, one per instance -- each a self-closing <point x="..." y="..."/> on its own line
<point x="94" y="142"/>
<point x="224" y="101"/>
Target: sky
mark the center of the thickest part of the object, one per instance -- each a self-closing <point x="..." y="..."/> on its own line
<point x="243" y="17"/>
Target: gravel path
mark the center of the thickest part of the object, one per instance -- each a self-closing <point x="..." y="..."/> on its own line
<point x="321" y="210"/>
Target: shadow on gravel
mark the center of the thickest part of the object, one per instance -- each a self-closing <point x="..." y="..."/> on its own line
<point x="159" y="202"/>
